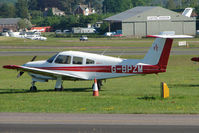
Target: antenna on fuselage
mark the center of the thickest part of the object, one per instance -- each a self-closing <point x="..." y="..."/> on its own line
<point x="121" y="53"/>
<point x="104" y="51"/>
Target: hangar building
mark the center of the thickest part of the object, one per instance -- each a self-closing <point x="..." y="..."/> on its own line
<point x="149" y="20"/>
<point x="9" y="24"/>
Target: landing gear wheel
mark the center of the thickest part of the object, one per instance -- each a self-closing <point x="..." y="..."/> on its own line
<point x="99" y="84"/>
<point x="33" y="88"/>
<point x="59" y="89"/>
<point x="92" y="86"/>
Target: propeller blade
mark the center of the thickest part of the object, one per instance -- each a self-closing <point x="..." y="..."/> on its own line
<point x="20" y="74"/>
<point x="34" y="58"/>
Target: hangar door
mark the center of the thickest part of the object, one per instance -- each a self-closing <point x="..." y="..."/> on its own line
<point x="156" y="27"/>
<point x="172" y="26"/>
<point x="140" y="29"/>
<point x="153" y="28"/>
<point x="189" y="28"/>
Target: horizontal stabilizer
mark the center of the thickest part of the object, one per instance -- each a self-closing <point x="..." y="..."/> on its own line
<point x="170" y="36"/>
<point x="195" y="59"/>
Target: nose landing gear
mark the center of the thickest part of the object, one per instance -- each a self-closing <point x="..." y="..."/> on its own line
<point x="33" y="88"/>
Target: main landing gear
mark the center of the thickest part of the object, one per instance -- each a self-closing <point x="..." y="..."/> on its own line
<point x="59" y="89"/>
<point x="58" y="85"/>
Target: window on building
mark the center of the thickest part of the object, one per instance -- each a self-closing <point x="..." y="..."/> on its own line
<point x="77" y="60"/>
<point x="63" y="59"/>
<point x="89" y="61"/>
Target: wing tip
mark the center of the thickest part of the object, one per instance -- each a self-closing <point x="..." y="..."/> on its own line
<point x="152" y="36"/>
<point x="11" y="66"/>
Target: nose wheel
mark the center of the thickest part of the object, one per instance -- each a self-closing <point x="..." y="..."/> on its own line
<point x="33" y="88"/>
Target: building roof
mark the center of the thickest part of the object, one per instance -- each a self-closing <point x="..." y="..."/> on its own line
<point x="9" y="20"/>
<point x="83" y="7"/>
<point x="130" y="13"/>
<point x="56" y="10"/>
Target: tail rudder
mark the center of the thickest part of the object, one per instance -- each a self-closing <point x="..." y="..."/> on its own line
<point x="164" y="58"/>
<point x="159" y="53"/>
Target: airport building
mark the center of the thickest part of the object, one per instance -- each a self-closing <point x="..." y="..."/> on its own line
<point x="9" y="24"/>
<point x="149" y="20"/>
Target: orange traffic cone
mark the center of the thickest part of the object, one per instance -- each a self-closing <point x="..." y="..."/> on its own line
<point x="95" y="88"/>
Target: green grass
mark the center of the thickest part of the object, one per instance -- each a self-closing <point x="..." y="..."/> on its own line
<point x="115" y="42"/>
<point x="138" y="94"/>
<point x="73" y="42"/>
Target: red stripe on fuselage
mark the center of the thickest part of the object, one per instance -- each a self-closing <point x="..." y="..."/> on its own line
<point x="81" y="68"/>
<point x="146" y="69"/>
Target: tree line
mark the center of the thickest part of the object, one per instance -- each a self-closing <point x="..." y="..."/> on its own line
<point x="33" y="10"/>
<point x="23" y="8"/>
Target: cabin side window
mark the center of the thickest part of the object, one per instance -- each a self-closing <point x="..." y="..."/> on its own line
<point x="63" y="59"/>
<point x="89" y="61"/>
<point x="50" y="60"/>
<point x="77" y="60"/>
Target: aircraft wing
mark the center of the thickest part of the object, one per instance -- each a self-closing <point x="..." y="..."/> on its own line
<point x="45" y="72"/>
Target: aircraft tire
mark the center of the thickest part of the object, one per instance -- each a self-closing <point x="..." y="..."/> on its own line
<point x="99" y="84"/>
<point x="59" y="89"/>
<point x="33" y="88"/>
<point x="99" y="87"/>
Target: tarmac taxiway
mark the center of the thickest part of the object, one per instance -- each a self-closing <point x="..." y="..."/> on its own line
<point x="97" y="123"/>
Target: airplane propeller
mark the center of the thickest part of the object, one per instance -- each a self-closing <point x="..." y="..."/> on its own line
<point x="33" y="58"/>
<point x="21" y="73"/>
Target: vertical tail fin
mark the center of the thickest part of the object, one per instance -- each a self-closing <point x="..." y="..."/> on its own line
<point x="187" y="12"/>
<point x="159" y="53"/>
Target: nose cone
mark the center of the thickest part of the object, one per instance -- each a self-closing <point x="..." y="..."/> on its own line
<point x="195" y="59"/>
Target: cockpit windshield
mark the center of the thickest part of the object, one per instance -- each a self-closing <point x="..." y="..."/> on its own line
<point x="50" y="60"/>
<point x="63" y="59"/>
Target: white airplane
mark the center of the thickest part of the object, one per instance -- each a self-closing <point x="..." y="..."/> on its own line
<point x="74" y="65"/>
<point x="27" y="35"/>
<point x="36" y="37"/>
